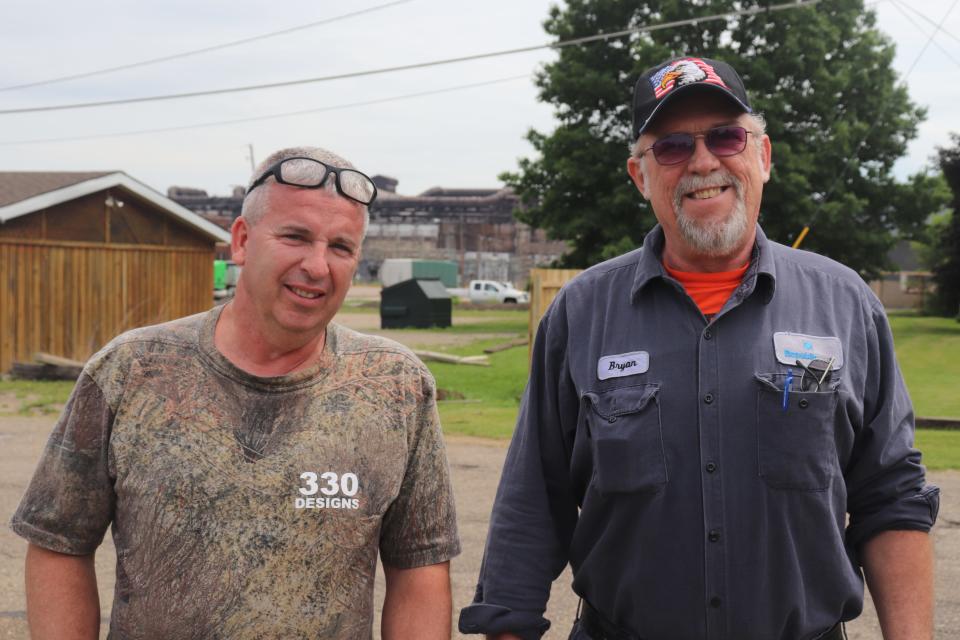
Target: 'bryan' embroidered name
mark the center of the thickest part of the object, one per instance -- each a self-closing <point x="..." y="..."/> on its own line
<point x="623" y="364"/>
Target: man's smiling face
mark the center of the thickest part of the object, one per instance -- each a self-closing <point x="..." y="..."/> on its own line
<point x="299" y="258"/>
<point x="708" y="205"/>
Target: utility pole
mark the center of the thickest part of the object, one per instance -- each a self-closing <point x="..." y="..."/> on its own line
<point x="463" y="274"/>
<point x="253" y="165"/>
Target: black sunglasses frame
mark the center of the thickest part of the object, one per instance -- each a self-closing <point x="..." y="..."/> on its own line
<point x="274" y="171"/>
<point x="693" y="139"/>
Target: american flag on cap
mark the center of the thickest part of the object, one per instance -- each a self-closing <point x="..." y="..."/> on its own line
<point x="682" y="72"/>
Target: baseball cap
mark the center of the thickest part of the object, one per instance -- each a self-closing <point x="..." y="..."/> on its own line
<point x="660" y="85"/>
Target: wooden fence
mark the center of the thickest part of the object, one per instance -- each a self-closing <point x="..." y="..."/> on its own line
<point x="544" y="286"/>
<point x="71" y="298"/>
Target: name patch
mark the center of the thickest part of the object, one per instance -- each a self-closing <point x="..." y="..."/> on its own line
<point x="623" y="364"/>
<point x="791" y="347"/>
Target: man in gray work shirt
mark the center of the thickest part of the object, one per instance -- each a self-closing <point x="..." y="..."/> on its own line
<point x="703" y="414"/>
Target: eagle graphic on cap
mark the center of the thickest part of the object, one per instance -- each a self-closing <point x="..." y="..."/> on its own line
<point x="683" y="72"/>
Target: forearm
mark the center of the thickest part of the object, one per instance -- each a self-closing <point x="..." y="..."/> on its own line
<point x="418" y="604"/>
<point x="62" y="598"/>
<point x="898" y="566"/>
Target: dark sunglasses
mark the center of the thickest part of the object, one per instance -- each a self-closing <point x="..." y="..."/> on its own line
<point x="312" y="174"/>
<point x="815" y="374"/>
<point x="678" y="147"/>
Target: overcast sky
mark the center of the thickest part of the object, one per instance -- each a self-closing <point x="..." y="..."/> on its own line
<point x="462" y="138"/>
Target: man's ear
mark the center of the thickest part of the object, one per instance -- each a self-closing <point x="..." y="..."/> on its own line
<point x="636" y="173"/>
<point x="239" y="235"/>
<point x="766" y="155"/>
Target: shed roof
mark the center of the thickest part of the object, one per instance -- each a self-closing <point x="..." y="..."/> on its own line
<point x="20" y="185"/>
<point x="24" y="192"/>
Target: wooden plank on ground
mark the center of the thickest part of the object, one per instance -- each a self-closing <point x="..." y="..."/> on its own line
<point x="518" y="342"/>
<point x="37" y="371"/>
<point x="57" y="361"/>
<point x="477" y="361"/>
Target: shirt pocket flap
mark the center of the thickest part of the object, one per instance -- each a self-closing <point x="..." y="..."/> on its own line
<point x="621" y="401"/>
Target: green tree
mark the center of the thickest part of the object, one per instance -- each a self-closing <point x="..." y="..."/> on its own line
<point x="946" y="270"/>
<point x="928" y="246"/>
<point x="821" y="75"/>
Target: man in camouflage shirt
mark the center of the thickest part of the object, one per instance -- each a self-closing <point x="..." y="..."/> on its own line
<point x="253" y="459"/>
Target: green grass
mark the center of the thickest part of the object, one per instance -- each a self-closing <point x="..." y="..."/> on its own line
<point x="482" y="321"/>
<point x="38" y="396"/>
<point x="359" y="306"/>
<point x="941" y="448"/>
<point x="484" y="420"/>
<point x="498" y="322"/>
<point x="491" y="395"/>
<point x="928" y="350"/>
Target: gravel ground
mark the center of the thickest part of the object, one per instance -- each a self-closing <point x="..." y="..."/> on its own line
<point x="475" y="466"/>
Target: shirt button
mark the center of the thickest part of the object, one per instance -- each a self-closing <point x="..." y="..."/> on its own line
<point x="708" y="398"/>
<point x="711" y="467"/>
<point x="714" y="535"/>
<point x="804" y="403"/>
<point x="707" y="334"/>
<point x="715" y="602"/>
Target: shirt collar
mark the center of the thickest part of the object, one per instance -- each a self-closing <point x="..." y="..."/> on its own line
<point x="761" y="277"/>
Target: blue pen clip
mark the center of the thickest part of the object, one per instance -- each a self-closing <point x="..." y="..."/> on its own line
<point x="786" y="389"/>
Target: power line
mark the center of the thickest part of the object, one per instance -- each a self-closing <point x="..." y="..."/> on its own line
<point x="286" y="114"/>
<point x="939" y="27"/>
<point x="930" y="39"/>
<point x="912" y="21"/>
<point x="421" y="65"/>
<point x="216" y="47"/>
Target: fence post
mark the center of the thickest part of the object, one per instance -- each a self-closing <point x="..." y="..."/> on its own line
<point x="545" y="284"/>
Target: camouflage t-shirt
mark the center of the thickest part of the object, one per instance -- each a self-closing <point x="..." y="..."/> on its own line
<point x="241" y="506"/>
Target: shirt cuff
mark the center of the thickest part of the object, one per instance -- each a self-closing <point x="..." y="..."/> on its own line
<point x="493" y="618"/>
<point x="917" y="512"/>
<point x="423" y="557"/>
<point x="51" y="541"/>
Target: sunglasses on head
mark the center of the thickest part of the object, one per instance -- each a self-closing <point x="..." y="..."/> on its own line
<point x="720" y="141"/>
<point x="308" y="173"/>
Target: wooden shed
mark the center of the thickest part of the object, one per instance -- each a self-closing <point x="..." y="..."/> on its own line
<point x="84" y="256"/>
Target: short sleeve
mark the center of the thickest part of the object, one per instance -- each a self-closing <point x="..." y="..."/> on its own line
<point x="420" y="526"/>
<point x="69" y="503"/>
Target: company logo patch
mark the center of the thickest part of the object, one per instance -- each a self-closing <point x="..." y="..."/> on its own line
<point x="791" y="347"/>
<point x="623" y="364"/>
<point x="336" y="491"/>
<point x="683" y="72"/>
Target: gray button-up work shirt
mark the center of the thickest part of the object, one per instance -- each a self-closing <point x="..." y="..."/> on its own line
<point x="658" y="454"/>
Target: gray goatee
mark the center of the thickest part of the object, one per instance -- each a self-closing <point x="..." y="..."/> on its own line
<point x="712" y="237"/>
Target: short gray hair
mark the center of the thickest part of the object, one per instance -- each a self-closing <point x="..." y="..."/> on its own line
<point x="256" y="202"/>
<point x="759" y="127"/>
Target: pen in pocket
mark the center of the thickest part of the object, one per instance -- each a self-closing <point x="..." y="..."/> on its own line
<point x="786" y="389"/>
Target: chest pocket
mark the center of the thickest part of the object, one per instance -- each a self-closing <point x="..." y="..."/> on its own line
<point x="624" y="428"/>
<point x="797" y="447"/>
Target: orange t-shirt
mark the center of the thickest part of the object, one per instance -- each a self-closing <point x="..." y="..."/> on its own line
<point x="709" y="291"/>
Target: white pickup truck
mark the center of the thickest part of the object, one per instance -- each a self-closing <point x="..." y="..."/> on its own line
<point x="493" y="291"/>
